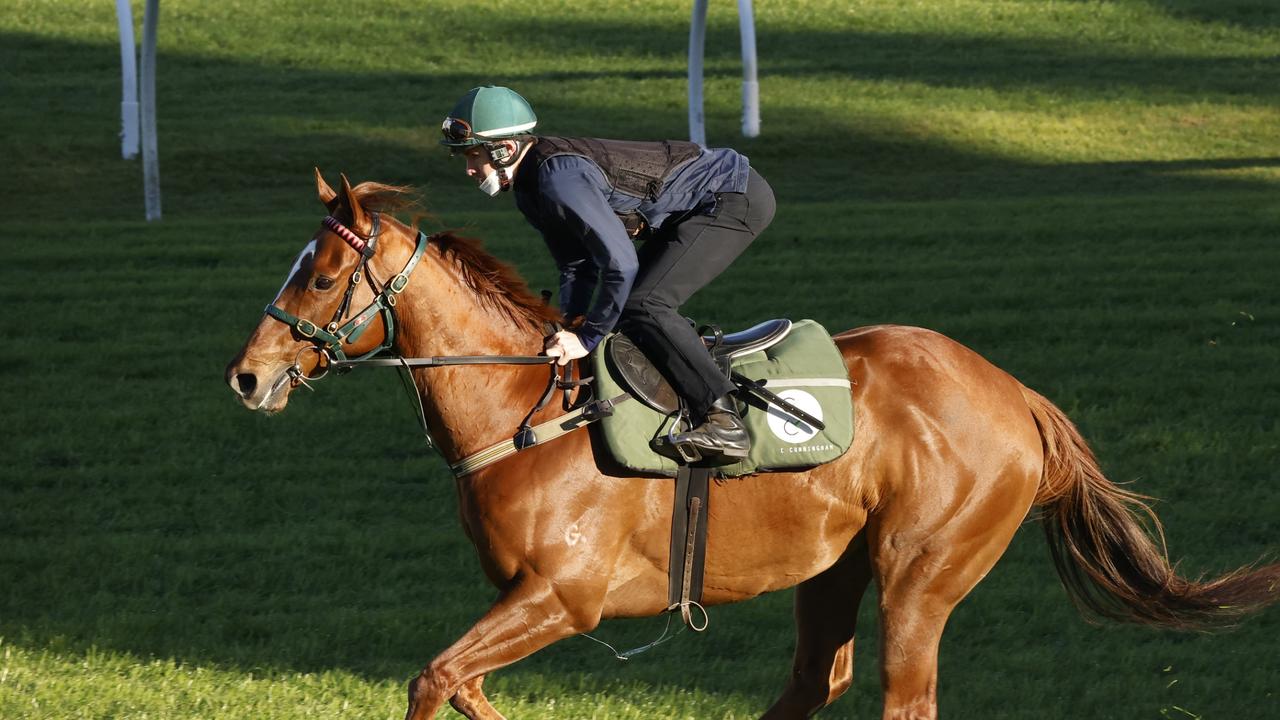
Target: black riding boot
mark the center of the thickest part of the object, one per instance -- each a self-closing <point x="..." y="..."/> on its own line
<point x="721" y="435"/>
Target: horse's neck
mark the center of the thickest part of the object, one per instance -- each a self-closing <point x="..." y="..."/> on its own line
<point x="468" y="407"/>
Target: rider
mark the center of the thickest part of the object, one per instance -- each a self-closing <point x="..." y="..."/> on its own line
<point x="695" y="209"/>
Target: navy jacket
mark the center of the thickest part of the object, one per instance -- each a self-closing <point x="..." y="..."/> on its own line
<point x="570" y="201"/>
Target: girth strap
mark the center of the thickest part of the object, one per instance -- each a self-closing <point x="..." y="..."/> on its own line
<point x="688" y="550"/>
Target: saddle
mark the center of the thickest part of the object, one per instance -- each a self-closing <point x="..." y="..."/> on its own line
<point x="641" y="379"/>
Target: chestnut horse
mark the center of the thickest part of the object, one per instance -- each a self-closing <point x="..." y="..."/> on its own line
<point x="949" y="457"/>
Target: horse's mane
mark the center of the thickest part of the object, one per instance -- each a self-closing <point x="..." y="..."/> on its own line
<point x="497" y="283"/>
<point x="383" y="198"/>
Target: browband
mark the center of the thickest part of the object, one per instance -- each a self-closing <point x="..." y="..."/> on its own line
<point x="355" y="241"/>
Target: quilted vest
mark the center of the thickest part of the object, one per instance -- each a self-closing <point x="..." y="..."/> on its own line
<point x="635" y="167"/>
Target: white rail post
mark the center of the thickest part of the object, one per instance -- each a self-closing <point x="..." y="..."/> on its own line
<point x="750" y="84"/>
<point x="750" y="87"/>
<point x="697" y="45"/>
<point x="150" y="153"/>
<point x="128" y="81"/>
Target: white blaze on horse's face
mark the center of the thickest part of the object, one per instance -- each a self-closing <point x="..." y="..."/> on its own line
<point x="307" y="252"/>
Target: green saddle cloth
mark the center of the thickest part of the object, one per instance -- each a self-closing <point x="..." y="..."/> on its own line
<point x="805" y="369"/>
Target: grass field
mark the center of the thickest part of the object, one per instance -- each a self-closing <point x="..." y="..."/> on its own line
<point x="1088" y="193"/>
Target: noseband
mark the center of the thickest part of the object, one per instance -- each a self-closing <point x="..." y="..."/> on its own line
<point x="332" y="335"/>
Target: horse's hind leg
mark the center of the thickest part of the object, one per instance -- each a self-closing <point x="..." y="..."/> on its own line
<point x="826" y="615"/>
<point x="924" y="566"/>
<point x="471" y="702"/>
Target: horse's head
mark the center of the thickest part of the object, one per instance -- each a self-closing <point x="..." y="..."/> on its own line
<point x="335" y="303"/>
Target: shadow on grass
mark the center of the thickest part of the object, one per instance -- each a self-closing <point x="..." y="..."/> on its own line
<point x="1258" y="14"/>
<point x="241" y="137"/>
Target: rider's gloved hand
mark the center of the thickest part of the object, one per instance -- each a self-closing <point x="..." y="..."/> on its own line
<point x="566" y="346"/>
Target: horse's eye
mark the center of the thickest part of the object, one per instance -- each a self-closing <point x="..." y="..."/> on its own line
<point x="323" y="283"/>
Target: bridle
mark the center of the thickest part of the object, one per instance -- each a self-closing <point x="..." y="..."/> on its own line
<point x="330" y="338"/>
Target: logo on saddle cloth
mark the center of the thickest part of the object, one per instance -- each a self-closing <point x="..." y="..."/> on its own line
<point x="805" y="369"/>
<point x="791" y="429"/>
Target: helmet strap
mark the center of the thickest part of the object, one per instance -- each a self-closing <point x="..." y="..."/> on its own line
<point x="504" y="177"/>
<point x="502" y="160"/>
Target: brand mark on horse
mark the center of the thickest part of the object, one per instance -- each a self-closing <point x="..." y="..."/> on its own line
<point x="572" y="535"/>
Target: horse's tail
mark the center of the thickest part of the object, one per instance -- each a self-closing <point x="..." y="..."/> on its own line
<point x="1104" y="550"/>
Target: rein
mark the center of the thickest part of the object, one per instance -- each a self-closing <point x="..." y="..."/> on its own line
<point x="330" y="338"/>
<point x="443" y="360"/>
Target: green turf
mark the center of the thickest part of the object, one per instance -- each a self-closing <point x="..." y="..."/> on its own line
<point x="1088" y="193"/>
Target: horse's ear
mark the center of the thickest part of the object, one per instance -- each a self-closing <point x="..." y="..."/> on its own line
<point x="358" y="219"/>
<point x="328" y="195"/>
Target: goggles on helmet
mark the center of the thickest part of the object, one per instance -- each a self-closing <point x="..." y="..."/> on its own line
<point x="456" y="130"/>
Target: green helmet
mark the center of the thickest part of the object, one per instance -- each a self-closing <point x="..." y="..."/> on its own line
<point x="487" y="113"/>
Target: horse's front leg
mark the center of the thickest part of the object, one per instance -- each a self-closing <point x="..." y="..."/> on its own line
<point x="471" y="702"/>
<point x="527" y="617"/>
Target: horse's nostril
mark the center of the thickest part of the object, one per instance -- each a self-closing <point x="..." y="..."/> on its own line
<point x="246" y="383"/>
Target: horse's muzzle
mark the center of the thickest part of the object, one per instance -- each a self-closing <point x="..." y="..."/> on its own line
<point x="243" y="384"/>
<point x="258" y="388"/>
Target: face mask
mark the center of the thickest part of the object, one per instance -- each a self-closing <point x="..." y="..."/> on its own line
<point x="492" y="184"/>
